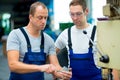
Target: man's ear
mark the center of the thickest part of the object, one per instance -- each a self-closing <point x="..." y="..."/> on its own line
<point x="86" y="11"/>
<point x="30" y="16"/>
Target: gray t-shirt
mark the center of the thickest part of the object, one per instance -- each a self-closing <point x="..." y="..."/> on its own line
<point x="17" y="41"/>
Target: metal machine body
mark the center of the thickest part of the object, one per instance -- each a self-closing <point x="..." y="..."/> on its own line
<point x="108" y="40"/>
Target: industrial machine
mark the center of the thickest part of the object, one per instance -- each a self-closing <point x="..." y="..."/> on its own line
<point x="108" y="32"/>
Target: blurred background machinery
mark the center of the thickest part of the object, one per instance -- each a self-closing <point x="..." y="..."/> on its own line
<point x="112" y="9"/>
<point x="108" y="38"/>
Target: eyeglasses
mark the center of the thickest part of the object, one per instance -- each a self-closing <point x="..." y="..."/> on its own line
<point x="77" y="14"/>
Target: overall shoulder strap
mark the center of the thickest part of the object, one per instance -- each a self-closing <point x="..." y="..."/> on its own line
<point x="92" y="35"/>
<point x="69" y="38"/>
<point x="26" y="37"/>
<point x="28" y="41"/>
<point x="42" y="40"/>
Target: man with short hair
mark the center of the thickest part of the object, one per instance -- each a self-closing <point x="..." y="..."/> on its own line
<point x="80" y="50"/>
<point x="28" y="49"/>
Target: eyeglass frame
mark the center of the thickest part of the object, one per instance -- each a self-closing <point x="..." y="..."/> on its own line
<point x="77" y="14"/>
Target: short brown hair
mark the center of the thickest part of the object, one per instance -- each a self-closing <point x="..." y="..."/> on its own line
<point x="34" y="5"/>
<point x="79" y="2"/>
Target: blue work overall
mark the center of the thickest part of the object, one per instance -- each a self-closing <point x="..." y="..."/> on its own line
<point x="30" y="57"/>
<point x="83" y="66"/>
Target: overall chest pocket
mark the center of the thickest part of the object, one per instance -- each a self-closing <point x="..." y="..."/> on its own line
<point x="35" y="58"/>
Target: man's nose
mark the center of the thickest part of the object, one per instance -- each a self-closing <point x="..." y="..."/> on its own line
<point x="75" y="17"/>
<point x="44" y="20"/>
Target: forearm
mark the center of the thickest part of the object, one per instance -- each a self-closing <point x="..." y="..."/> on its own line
<point x="116" y="74"/>
<point x="21" y="67"/>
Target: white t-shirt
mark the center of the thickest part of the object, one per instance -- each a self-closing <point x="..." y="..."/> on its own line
<point x="80" y="41"/>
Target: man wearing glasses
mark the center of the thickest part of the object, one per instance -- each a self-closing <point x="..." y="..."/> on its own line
<point x="80" y="50"/>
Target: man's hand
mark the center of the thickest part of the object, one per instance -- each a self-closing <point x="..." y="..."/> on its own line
<point x="48" y="68"/>
<point x="63" y="74"/>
